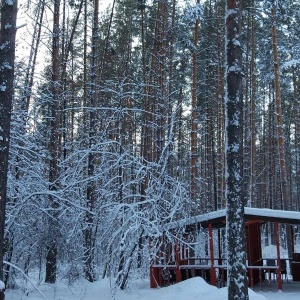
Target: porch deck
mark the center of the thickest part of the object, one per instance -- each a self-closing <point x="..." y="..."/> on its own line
<point x="289" y="286"/>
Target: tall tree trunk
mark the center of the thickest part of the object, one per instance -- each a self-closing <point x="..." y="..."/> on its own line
<point x="246" y="116"/>
<point x="8" y="18"/>
<point x="297" y="140"/>
<point x="220" y="122"/>
<point x="51" y="258"/>
<point x="271" y="154"/>
<point x="236" y="236"/>
<point x="211" y="128"/>
<point x="68" y="49"/>
<point x="170" y="90"/>
<point x="148" y="151"/>
<point x="161" y="96"/>
<point x="85" y="72"/>
<point x="252" y="120"/>
<point x="91" y="188"/>
<point x="285" y="193"/>
<point x="33" y="54"/>
<point x="280" y="133"/>
<point x="24" y="108"/>
<point x="194" y="148"/>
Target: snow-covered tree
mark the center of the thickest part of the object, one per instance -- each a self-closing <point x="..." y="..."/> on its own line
<point x="236" y="235"/>
<point x="8" y="16"/>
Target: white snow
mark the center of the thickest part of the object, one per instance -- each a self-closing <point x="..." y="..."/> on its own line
<point x="236" y="42"/>
<point x="293" y="216"/>
<point x="293" y="63"/>
<point x="6" y="65"/>
<point x="195" y="288"/>
<point x="235" y="69"/>
<point x="7" y="26"/>
<point x="4" y="45"/>
<point x="2" y="88"/>
<point x="230" y="12"/>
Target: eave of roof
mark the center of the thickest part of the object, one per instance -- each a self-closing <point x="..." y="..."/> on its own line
<point x="218" y="218"/>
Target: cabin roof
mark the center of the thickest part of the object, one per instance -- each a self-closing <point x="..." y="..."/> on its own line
<point x="218" y="218"/>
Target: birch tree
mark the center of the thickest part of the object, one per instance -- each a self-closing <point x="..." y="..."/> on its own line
<point x="237" y="270"/>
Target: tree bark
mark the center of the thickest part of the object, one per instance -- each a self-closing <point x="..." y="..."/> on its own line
<point x="285" y="193"/>
<point x="8" y="18"/>
<point x="280" y="139"/>
<point x="51" y="257"/>
<point x="253" y="200"/>
<point x="297" y="139"/>
<point x="194" y="147"/>
<point x="236" y="237"/>
<point x="91" y="188"/>
<point x="220" y="124"/>
<point x="28" y="84"/>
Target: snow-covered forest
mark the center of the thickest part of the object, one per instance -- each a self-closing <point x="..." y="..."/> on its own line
<point x="118" y="127"/>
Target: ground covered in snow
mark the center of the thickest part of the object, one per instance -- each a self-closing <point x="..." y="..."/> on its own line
<point x="195" y="288"/>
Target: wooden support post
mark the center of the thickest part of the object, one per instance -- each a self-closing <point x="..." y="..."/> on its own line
<point x="177" y="257"/>
<point x="279" y="279"/>
<point x="293" y="239"/>
<point x="220" y="262"/>
<point x="152" y="278"/>
<point x="260" y="279"/>
<point x="213" y="279"/>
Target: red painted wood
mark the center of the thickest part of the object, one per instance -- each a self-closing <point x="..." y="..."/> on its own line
<point x="213" y="279"/>
<point x="279" y="279"/>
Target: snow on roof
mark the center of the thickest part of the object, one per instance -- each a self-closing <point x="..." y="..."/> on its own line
<point x="266" y="214"/>
<point x="218" y="217"/>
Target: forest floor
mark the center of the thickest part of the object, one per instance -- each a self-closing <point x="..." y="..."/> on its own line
<point x="290" y="291"/>
<point x="195" y="288"/>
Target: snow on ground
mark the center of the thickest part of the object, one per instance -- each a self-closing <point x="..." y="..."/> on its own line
<point x="271" y="252"/>
<point x="195" y="288"/>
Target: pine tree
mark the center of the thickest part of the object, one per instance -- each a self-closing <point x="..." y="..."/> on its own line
<point x="236" y="236"/>
<point x="54" y="150"/>
<point x="91" y="188"/>
<point x="8" y="16"/>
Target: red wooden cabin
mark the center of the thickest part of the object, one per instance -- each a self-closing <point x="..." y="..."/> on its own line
<point x="175" y="257"/>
